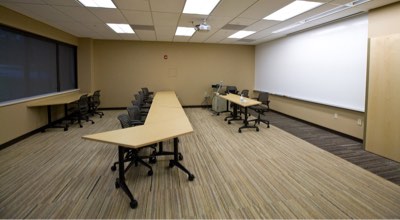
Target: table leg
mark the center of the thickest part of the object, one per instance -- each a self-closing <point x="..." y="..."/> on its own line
<point x="235" y="116"/>
<point x="120" y="182"/>
<point x="175" y="161"/>
<point x="246" y="122"/>
<point x="50" y="123"/>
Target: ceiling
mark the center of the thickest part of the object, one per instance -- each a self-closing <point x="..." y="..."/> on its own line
<point x="156" y="20"/>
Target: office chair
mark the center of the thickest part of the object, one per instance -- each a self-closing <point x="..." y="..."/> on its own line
<point x="132" y="155"/>
<point x="135" y="116"/>
<point x="231" y="89"/>
<point x="263" y="97"/>
<point x="94" y="103"/>
<point x="81" y="111"/>
<point x="140" y="101"/>
<point x="148" y="96"/>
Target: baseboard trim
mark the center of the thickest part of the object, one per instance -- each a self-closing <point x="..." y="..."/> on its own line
<point x="319" y="126"/>
<point x="196" y="106"/>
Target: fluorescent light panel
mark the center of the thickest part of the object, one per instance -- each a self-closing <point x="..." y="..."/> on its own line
<point x="241" y="34"/>
<point x="323" y="14"/>
<point x="200" y="7"/>
<point x="184" y="31"/>
<point x="98" y="3"/>
<point x="121" y="28"/>
<point x="292" y="9"/>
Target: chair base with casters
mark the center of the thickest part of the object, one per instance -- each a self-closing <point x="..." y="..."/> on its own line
<point x="260" y="111"/>
<point x="132" y="156"/>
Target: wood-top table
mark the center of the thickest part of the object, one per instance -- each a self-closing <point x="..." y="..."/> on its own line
<point x="166" y="120"/>
<point x="244" y="102"/>
<point x="57" y="100"/>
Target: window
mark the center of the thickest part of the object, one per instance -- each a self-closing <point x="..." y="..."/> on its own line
<point x="31" y="65"/>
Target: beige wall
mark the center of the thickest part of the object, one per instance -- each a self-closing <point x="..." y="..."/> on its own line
<point x="19" y="21"/>
<point x="123" y="67"/>
<point x="17" y="119"/>
<point x="383" y="114"/>
<point x="346" y="121"/>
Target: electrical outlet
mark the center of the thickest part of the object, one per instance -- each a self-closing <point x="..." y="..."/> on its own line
<point x="335" y="116"/>
<point x="359" y="122"/>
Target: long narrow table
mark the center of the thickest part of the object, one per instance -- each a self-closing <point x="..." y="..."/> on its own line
<point x="166" y="120"/>
<point x="58" y="100"/>
<point x="243" y="102"/>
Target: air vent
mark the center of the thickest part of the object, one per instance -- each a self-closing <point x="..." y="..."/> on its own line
<point x="142" y="27"/>
<point x="236" y="27"/>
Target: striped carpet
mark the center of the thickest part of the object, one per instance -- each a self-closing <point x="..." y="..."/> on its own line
<point x="339" y="145"/>
<point x="266" y="174"/>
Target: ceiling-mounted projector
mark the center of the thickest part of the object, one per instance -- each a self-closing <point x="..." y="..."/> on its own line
<point x="203" y="27"/>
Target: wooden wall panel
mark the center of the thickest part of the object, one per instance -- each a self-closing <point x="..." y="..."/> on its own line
<point x="383" y="114"/>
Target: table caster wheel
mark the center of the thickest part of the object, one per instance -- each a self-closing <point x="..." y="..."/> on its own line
<point x="116" y="184"/>
<point x="240" y="131"/>
<point x="191" y="177"/>
<point x="229" y="122"/>
<point x="180" y="157"/>
<point x="257" y="129"/>
<point x="150" y="173"/>
<point x="153" y="160"/>
<point x="133" y="204"/>
<point x="113" y="168"/>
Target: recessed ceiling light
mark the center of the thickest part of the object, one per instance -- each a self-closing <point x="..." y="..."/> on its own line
<point x="241" y="34"/>
<point x="121" y="28"/>
<point x="292" y="9"/>
<point x="200" y="7"/>
<point x="184" y="31"/>
<point x="98" y="3"/>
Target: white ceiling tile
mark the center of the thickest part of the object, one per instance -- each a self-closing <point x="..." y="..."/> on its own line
<point x="174" y="6"/>
<point x="263" y="8"/>
<point x="129" y="37"/>
<point x="63" y="3"/>
<point x="78" y="13"/>
<point x="138" y="17"/>
<point x="165" y="33"/>
<point x="261" y="25"/>
<point x="232" y="8"/>
<point x="71" y="17"/>
<point x="181" y="39"/>
<point x="109" y="15"/>
<point x="139" y="5"/>
<point x="41" y="2"/>
<point x="146" y="35"/>
<point x="243" y="21"/>
<point x="165" y="19"/>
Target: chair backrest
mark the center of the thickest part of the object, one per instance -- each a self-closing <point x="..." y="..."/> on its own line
<point x="263" y="97"/>
<point x="231" y="89"/>
<point x="145" y="92"/>
<point x="83" y="105"/>
<point x="124" y="120"/>
<point x="245" y="93"/>
<point x="134" y="113"/>
<point x="96" y="98"/>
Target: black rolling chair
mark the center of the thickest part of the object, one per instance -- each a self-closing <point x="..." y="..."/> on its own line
<point x="135" y="116"/>
<point x="148" y="96"/>
<point x="263" y="97"/>
<point x="80" y="111"/>
<point x="94" y="103"/>
<point x="132" y="155"/>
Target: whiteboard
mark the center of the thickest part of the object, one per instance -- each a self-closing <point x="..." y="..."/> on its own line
<point x="326" y="65"/>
